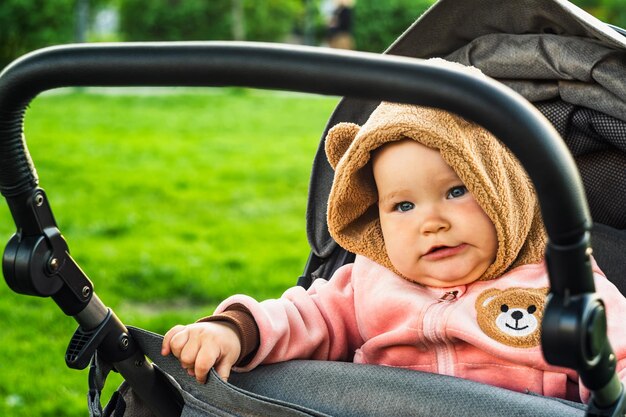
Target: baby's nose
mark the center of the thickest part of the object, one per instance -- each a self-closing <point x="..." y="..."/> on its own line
<point x="434" y="223"/>
<point x="517" y="315"/>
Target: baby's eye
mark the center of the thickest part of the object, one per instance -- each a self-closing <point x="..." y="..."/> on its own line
<point x="404" y="206"/>
<point x="456" y="192"/>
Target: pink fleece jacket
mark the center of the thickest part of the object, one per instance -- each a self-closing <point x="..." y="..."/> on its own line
<point x="487" y="331"/>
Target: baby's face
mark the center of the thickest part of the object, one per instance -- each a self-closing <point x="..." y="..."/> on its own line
<point x="435" y="232"/>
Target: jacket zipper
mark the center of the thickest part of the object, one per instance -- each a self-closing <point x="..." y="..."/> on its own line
<point x="434" y="332"/>
<point x="449" y="296"/>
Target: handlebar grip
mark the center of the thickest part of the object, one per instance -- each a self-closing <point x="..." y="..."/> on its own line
<point x="17" y="171"/>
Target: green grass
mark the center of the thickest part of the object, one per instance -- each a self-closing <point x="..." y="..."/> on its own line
<point x="169" y="203"/>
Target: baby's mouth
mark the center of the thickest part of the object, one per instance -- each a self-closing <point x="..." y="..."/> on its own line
<point x="435" y="249"/>
<point x="441" y="251"/>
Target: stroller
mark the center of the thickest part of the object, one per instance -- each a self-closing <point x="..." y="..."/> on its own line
<point x="550" y="52"/>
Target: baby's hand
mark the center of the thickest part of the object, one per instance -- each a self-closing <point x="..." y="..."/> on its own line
<point x="201" y="346"/>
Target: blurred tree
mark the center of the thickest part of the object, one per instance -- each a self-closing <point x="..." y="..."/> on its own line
<point x="378" y="23"/>
<point x="171" y="20"/>
<point x="310" y="27"/>
<point x="272" y="20"/>
<point x="30" y="24"/>
<point x="26" y="25"/>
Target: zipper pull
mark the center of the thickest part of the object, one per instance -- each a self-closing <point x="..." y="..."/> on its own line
<point x="449" y="296"/>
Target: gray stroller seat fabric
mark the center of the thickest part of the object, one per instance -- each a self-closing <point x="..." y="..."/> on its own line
<point x="598" y="143"/>
<point x="340" y="389"/>
<point x="353" y="390"/>
<point x="609" y="246"/>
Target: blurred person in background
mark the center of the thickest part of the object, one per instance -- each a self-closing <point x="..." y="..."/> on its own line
<point x="341" y="24"/>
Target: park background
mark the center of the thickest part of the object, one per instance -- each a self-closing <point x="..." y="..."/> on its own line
<point x="170" y="199"/>
<point x="30" y="24"/>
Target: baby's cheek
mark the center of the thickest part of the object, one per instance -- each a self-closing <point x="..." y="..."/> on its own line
<point x="482" y="226"/>
<point x="393" y="240"/>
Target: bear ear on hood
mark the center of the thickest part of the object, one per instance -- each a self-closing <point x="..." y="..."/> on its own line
<point x="338" y="141"/>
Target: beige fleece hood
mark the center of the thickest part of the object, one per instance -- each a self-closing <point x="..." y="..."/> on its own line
<point x="487" y="168"/>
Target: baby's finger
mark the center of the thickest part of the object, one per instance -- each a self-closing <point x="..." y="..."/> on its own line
<point x="165" y="346"/>
<point x="188" y="354"/>
<point x="205" y="360"/>
<point x="223" y="369"/>
<point x="178" y="342"/>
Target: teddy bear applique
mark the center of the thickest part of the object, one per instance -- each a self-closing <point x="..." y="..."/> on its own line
<point x="512" y="316"/>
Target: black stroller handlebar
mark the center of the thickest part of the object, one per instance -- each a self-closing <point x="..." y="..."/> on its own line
<point x="314" y="70"/>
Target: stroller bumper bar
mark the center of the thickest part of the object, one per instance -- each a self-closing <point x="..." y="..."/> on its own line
<point x="37" y="262"/>
<point x="304" y="69"/>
